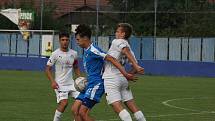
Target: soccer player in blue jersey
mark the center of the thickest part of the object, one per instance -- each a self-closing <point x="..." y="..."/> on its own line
<point x="93" y="60"/>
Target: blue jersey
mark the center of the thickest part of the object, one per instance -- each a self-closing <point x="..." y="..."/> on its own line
<point x="93" y="60"/>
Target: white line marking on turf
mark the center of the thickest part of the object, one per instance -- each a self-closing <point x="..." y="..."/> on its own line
<point x="182" y="114"/>
<point x="198" y="112"/>
<point x="173" y="106"/>
<point x="166" y="103"/>
<point x="168" y="115"/>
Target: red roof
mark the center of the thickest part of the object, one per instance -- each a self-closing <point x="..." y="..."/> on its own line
<point x="63" y="6"/>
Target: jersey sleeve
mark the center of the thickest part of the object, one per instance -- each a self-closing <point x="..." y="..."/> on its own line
<point x="52" y="59"/>
<point x="120" y="44"/>
<point x="98" y="53"/>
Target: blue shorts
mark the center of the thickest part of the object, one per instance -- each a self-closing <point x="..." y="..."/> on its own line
<point x="91" y="95"/>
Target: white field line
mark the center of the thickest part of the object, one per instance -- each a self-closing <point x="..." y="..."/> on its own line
<point x="179" y="99"/>
<point x="198" y="112"/>
<point x="167" y="115"/>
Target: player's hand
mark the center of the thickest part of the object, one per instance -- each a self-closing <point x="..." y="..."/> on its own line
<point x="139" y="70"/>
<point x="130" y="77"/>
<point x="54" y="85"/>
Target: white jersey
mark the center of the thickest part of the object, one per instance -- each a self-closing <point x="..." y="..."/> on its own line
<point x="64" y="62"/>
<point x="115" y="51"/>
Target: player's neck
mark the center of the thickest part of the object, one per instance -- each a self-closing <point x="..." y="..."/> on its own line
<point x="64" y="49"/>
<point x="122" y="38"/>
<point x="87" y="45"/>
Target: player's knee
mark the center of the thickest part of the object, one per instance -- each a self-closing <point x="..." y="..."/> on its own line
<point x="74" y="110"/>
<point x="83" y="114"/>
<point x="63" y="103"/>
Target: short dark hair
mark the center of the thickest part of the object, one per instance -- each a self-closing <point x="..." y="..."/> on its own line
<point x="63" y="34"/>
<point x="83" y="30"/>
<point x="127" y="28"/>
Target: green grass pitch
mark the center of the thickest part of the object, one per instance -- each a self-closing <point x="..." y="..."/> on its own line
<point x="27" y="96"/>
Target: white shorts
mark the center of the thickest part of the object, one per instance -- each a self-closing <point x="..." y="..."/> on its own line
<point x="61" y="95"/>
<point x="117" y="89"/>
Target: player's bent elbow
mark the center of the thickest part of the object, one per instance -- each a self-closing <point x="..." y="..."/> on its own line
<point x="125" y="50"/>
<point x="109" y="58"/>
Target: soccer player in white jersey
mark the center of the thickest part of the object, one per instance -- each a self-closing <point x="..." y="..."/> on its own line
<point x="116" y="85"/>
<point x="65" y="60"/>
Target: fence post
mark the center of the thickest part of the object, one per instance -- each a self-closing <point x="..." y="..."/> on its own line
<point x="28" y="48"/>
<point x="188" y="49"/>
<point x="16" y="44"/>
<point x="10" y="43"/>
<point x="201" y="49"/>
<point x="141" y="46"/>
<point x="181" y="49"/>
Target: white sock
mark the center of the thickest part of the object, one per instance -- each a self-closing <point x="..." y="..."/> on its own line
<point x="57" y="115"/>
<point x="139" y="116"/>
<point x="125" y="116"/>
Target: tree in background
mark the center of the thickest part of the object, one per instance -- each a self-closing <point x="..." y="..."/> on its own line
<point x="174" y="17"/>
<point x="142" y="22"/>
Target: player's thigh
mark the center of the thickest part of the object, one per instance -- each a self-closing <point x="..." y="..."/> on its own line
<point x="76" y="106"/>
<point x="61" y="95"/>
<point x="74" y="94"/>
<point x="126" y="91"/>
<point x="112" y="90"/>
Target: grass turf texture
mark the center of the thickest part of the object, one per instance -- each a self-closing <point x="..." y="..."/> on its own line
<point x="27" y="96"/>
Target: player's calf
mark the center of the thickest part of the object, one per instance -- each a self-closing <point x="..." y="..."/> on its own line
<point x="125" y="116"/>
<point x="60" y="109"/>
<point x="133" y="108"/>
<point x="139" y="116"/>
<point x="57" y="116"/>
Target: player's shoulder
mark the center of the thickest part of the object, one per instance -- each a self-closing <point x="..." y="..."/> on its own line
<point x="119" y="41"/>
<point x="56" y="52"/>
<point x="97" y="51"/>
<point x="94" y="48"/>
<point x="73" y="51"/>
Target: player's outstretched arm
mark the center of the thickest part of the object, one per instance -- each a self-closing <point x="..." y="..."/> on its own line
<point x="120" y="67"/>
<point x="48" y="72"/>
<point x="126" y="51"/>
